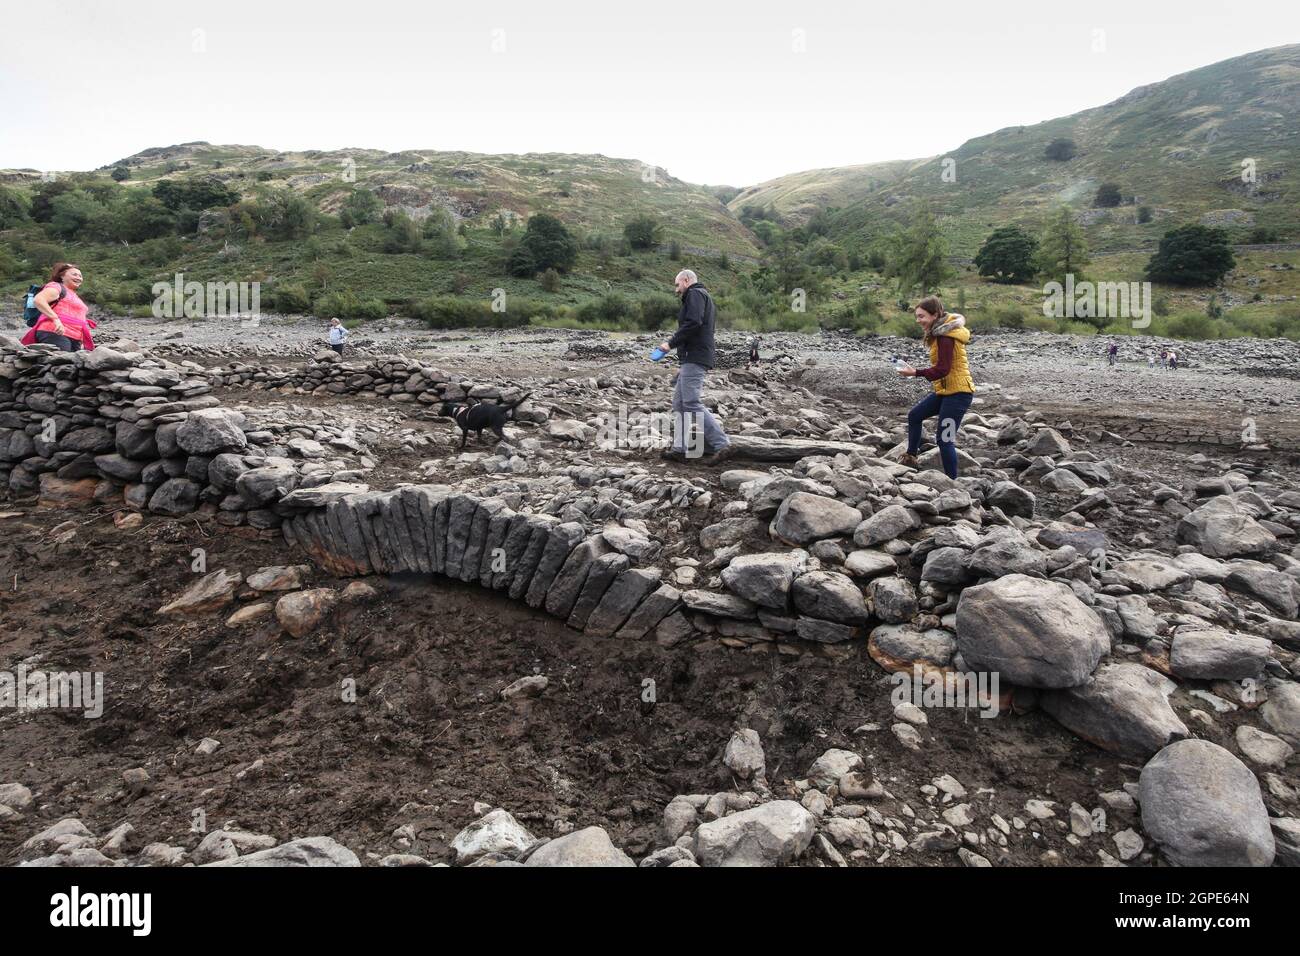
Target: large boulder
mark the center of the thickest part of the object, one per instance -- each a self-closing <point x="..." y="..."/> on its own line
<point x="1215" y="654"/>
<point x="309" y="851"/>
<point x="767" y="835"/>
<point x="1012" y="499"/>
<point x="892" y="599"/>
<point x="1203" y="807"/>
<point x="896" y="647"/>
<point x="587" y="847"/>
<point x="1224" y="528"/>
<point x="211" y="430"/>
<point x="1279" y="590"/>
<point x="266" y="485"/>
<point x="495" y="832"/>
<point x="1034" y="632"/>
<point x="830" y="596"/>
<point x="1049" y="442"/>
<point x="804" y="518"/>
<point x="1122" y="708"/>
<point x="764" y="579"/>
<point x="885" y="525"/>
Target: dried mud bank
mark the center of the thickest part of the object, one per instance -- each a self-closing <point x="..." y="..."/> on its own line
<point x="1152" y="619"/>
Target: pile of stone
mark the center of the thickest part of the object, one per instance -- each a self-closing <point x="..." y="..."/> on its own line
<point x="393" y="377"/>
<point x="958" y="578"/>
<point x="121" y="427"/>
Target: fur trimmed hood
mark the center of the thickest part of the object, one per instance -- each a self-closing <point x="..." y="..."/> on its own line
<point x="953" y="324"/>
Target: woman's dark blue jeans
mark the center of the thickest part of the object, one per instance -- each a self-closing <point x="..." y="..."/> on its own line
<point x="950" y="409"/>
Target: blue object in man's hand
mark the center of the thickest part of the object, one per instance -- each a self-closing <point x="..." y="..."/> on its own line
<point x="656" y="354"/>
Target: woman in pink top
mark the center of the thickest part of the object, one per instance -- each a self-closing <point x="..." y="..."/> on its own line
<point x="63" y="322"/>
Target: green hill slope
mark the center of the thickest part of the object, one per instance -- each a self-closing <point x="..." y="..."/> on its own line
<point x="1176" y="146"/>
<point x="589" y="193"/>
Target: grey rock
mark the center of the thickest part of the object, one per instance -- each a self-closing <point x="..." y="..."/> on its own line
<point x="804" y="518"/>
<point x="587" y="847"/>
<point x="769" y="835"/>
<point x="1122" y="708"/>
<point x="1213" y="653"/>
<point x="830" y="596"/>
<point x="1203" y="807"/>
<point x="1034" y="632"/>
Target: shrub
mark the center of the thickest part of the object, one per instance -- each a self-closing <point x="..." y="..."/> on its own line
<point x="291" y="299"/>
<point x="549" y="281"/>
<point x="361" y="207"/>
<point x="14" y="207"/>
<point x="1108" y="196"/>
<point x="1061" y="149"/>
<point x="653" y="311"/>
<point x="347" y="305"/>
<point x="201" y="193"/>
<point x="611" y="307"/>
<point x="401" y="233"/>
<point x="1191" y="325"/>
<point x="642" y="232"/>
<point x="1144" y="214"/>
<point x="448" y="312"/>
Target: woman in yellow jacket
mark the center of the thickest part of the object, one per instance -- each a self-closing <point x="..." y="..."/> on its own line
<point x="946" y="336"/>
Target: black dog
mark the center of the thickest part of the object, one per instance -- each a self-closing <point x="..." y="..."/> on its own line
<point x="475" y="418"/>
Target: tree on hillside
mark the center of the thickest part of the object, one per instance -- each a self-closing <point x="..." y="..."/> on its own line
<point x="643" y="232"/>
<point x="401" y="233"/>
<point x="291" y="216"/>
<point x="14" y="206"/>
<point x="120" y="174"/>
<point x="1108" y="196"/>
<point x="1061" y="149"/>
<point x="362" y="206"/>
<point x="545" y="244"/>
<point x="916" y="258"/>
<point x="1191" y="255"/>
<point x="200" y="193"/>
<point x="1007" y="255"/>
<point x="1062" y="249"/>
<point x="440" y="230"/>
<point x="44" y="196"/>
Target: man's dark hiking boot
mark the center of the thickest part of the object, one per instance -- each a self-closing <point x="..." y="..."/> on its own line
<point x="725" y="453"/>
<point x="673" y="454"/>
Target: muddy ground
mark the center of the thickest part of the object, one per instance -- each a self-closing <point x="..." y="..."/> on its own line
<point x="428" y="735"/>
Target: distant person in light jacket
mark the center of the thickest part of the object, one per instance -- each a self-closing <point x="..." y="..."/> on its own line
<point x="696" y="353"/>
<point x="338" y="336"/>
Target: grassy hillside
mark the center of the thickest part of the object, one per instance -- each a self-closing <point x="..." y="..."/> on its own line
<point x="1175" y="146"/>
<point x="796" y="197"/>
<point x="588" y="193"/>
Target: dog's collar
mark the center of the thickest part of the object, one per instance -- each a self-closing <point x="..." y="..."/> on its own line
<point x="464" y="409"/>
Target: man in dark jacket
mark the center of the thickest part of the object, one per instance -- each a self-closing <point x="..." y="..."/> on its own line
<point x="695" y="351"/>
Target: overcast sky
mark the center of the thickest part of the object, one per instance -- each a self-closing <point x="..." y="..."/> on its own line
<point x="714" y="91"/>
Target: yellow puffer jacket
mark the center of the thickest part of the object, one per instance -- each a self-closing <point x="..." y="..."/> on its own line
<point x="958" y="378"/>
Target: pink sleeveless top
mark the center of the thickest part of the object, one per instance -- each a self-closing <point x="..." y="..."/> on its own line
<point x="70" y="306"/>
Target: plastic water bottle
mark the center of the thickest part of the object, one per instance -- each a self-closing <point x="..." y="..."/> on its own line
<point x="899" y="364"/>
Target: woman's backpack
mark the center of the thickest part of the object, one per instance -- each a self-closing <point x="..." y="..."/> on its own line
<point x="31" y="314"/>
